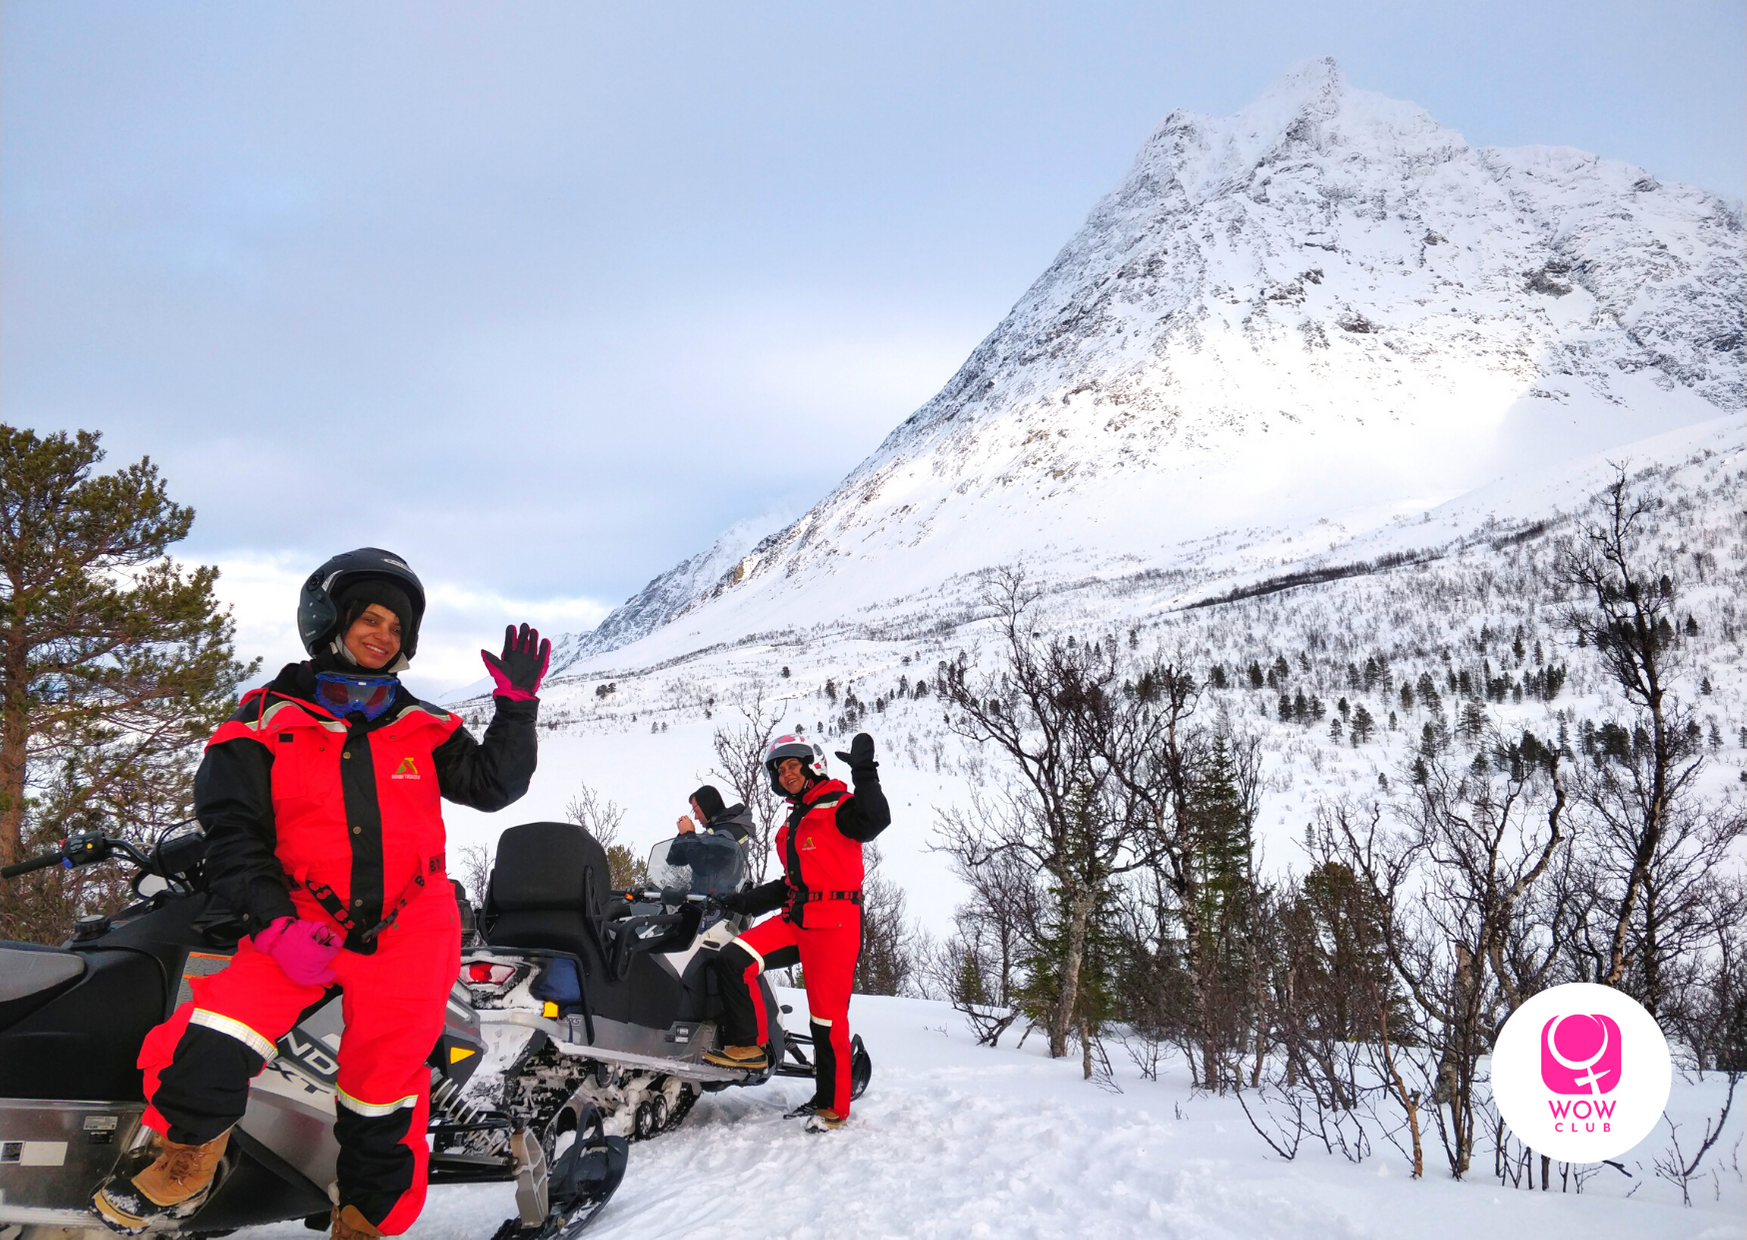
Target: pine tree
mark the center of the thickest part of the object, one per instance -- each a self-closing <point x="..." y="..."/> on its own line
<point x="115" y="663"/>
<point x="1224" y="859"/>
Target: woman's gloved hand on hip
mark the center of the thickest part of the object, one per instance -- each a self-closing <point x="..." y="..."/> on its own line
<point x="303" y="949"/>
<point x="518" y="671"/>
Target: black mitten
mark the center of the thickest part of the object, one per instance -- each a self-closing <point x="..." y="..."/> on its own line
<point x="860" y="756"/>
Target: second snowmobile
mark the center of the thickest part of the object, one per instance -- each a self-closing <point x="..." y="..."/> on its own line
<point x="608" y="994"/>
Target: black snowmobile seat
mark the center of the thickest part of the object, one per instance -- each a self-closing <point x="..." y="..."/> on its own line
<point x="31" y="975"/>
<point x="550" y="888"/>
<point x="89" y="1030"/>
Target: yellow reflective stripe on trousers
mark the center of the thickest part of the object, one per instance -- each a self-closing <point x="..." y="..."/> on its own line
<point x="373" y="1108"/>
<point x="235" y="1029"/>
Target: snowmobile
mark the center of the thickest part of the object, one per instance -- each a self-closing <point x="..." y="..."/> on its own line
<point x="607" y="995"/>
<point x="584" y="1023"/>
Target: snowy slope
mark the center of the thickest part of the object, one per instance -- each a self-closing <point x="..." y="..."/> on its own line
<point x="1325" y="306"/>
<point x="1479" y="564"/>
<point x="657" y="603"/>
<point x="1478" y="577"/>
<point x="954" y="1140"/>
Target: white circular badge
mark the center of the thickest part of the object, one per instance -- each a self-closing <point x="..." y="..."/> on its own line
<point x="1581" y="1073"/>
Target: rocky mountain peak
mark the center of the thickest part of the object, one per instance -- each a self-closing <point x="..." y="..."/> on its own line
<point x="1324" y="306"/>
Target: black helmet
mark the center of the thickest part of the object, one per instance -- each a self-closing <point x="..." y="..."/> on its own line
<point x="318" y="615"/>
<point x="812" y="758"/>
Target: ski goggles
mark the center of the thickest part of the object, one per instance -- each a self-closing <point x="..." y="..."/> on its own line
<point x="368" y="695"/>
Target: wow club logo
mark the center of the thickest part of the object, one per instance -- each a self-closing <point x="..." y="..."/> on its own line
<point x="1581" y="1073"/>
<point x="1580" y="1054"/>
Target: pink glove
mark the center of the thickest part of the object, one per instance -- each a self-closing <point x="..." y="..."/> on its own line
<point x="518" y="671"/>
<point x="302" y="949"/>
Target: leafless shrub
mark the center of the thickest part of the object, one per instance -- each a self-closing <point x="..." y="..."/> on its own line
<point x="890" y="946"/>
<point x="1674" y="1165"/>
<point x="602" y="817"/>
<point x="475" y="872"/>
<point x="740" y="748"/>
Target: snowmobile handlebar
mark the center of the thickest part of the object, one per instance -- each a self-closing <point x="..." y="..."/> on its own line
<point x="659" y="896"/>
<point x="35" y="863"/>
<point x="83" y="848"/>
<point x="168" y="858"/>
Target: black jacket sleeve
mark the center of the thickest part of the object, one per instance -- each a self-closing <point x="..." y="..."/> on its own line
<point x="864" y="815"/>
<point x="233" y="798"/>
<point x="491" y="774"/>
<point x="758" y="899"/>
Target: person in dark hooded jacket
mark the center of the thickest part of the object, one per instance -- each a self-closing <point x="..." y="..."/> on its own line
<point x="709" y="817"/>
<point x="710" y="814"/>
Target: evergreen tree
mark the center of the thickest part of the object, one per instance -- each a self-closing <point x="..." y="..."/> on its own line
<point x="1351" y="965"/>
<point x="115" y="663"/>
<point x="1224" y="858"/>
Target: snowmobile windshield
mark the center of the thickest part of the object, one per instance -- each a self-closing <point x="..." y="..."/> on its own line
<point x="703" y="864"/>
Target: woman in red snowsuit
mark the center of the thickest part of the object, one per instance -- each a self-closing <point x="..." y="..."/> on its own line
<point x="321" y="803"/>
<point x="820" y="927"/>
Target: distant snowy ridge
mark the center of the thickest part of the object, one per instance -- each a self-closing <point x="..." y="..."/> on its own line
<point x="656" y="603"/>
<point x="1326" y="307"/>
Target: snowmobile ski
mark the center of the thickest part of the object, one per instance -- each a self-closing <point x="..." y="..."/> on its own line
<point x="573" y="1190"/>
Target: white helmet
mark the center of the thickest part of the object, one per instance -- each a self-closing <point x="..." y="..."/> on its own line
<point x="812" y="759"/>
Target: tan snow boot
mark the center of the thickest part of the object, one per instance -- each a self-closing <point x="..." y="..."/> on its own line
<point x="171" y="1184"/>
<point x="350" y="1224"/>
<point x="749" y="1057"/>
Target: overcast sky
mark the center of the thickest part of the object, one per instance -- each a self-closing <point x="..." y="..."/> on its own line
<point x="546" y="295"/>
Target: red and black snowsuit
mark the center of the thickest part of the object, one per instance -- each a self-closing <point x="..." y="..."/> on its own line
<point x="313" y="817"/>
<point x="820" y="926"/>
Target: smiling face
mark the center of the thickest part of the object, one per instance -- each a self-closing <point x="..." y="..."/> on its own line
<point x="374" y="638"/>
<point x="791" y="776"/>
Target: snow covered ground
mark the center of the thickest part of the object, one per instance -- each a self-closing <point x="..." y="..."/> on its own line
<point x="954" y="1140"/>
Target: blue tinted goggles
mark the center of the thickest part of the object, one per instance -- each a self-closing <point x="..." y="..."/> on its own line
<point x="342" y="694"/>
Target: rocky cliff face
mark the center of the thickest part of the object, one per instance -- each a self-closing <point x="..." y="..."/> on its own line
<point x="1325" y="306"/>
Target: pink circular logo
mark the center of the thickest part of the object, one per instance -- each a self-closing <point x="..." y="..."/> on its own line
<point x="1581" y="1073"/>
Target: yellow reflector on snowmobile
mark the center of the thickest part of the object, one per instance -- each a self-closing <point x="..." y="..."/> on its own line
<point x="458" y="1053"/>
<point x="550" y="1011"/>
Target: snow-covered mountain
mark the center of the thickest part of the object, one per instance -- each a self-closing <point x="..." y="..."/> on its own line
<point x="1327" y="307"/>
<point x="657" y="603"/>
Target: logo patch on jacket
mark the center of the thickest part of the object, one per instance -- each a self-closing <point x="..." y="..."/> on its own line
<point x="807" y="844"/>
<point x="408" y="769"/>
